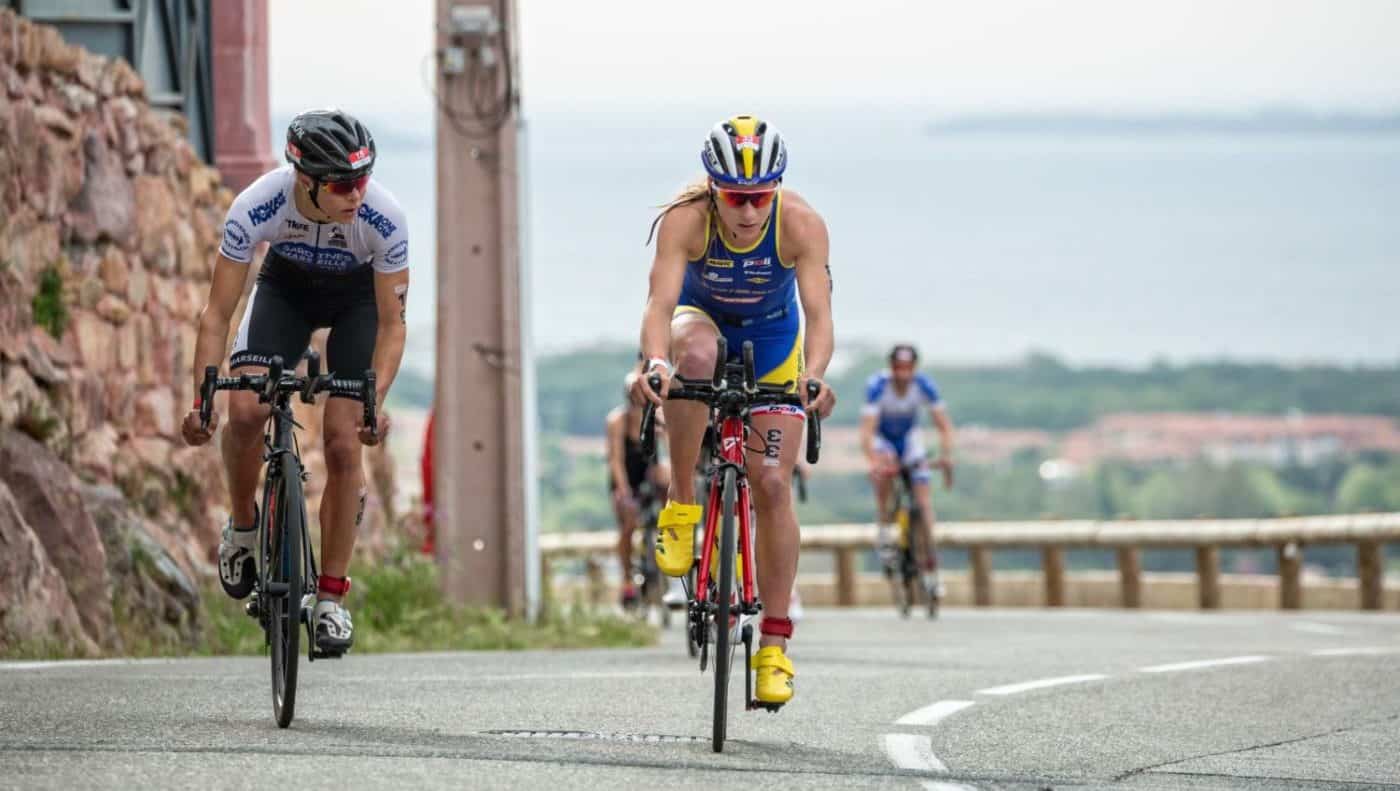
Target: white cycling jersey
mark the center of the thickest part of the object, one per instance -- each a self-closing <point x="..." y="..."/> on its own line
<point x="266" y="212"/>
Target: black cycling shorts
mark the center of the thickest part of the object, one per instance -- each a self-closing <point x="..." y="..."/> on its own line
<point x="288" y="304"/>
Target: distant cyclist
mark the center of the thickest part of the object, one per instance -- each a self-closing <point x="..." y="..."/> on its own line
<point x="889" y="436"/>
<point x="629" y="473"/>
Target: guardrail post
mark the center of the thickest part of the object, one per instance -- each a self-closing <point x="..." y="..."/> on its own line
<point x="1052" y="560"/>
<point x="546" y="585"/>
<point x="1130" y="577"/>
<point x="845" y="576"/>
<point x="1290" y="576"/>
<point x="1208" y="577"/>
<point x="1370" y="573"/>
<point x="981" y="576"/>
<point x="596" y="585"/>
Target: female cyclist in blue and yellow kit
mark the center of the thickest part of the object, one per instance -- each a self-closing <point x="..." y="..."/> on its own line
<point x="734" y="254"/>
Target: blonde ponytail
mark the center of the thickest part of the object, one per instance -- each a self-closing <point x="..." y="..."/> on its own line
<point x="694" y="191"/>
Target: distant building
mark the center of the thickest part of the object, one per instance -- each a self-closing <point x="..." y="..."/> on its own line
<point x="1224" y="438"/>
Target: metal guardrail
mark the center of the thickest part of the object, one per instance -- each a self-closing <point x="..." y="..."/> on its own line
<point x="1369" y="532"/>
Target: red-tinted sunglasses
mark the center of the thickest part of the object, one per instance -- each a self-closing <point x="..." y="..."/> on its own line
<point x="346" y="186"/>
<point x="736" y="198"/>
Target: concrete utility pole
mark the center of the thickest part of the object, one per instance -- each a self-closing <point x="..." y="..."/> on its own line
<point x="483" y="449"/>
<point x="241" y="107"/>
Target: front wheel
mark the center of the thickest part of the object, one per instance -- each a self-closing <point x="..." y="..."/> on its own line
<point x="723" y="600"/>
<point x="284" y="618"/>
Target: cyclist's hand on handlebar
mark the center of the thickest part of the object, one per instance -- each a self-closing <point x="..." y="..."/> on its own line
<point x="381" y="431"/>
<point x="825" y="400"/>
<point x="641" y="388"/>
<point x="945" y="464"/>
<point x="194" y="433"/>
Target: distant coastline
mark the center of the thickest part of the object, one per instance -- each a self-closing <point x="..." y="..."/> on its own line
<point x="1259" y="122"/>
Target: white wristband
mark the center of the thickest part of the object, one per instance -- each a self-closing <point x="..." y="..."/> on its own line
<point x="655" y="361"/>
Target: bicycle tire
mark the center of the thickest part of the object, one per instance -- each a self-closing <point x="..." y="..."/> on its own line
<point x="284" y="618"/>
<point x="919" y="548"/>
<point x="723" y="656"/>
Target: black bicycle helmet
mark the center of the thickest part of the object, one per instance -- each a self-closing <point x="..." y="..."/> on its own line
<point x="904" y="353"/>
<point x="330" y="145"/>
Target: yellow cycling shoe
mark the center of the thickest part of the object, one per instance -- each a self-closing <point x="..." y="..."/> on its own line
<point x="675" y="533"/>
<point x="774" y="675"/>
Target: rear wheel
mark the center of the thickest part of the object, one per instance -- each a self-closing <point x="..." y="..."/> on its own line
<point x="284" y="618"/>
<point x="919" y="553"/>
<point x="723" y="631"/>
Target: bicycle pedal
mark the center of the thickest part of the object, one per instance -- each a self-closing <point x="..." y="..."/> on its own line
<point x="771" y="708"/>
<point x="319" y="654"/>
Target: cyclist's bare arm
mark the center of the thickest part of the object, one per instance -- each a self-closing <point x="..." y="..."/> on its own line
<point x="391" y="300"/>
<point x="681" y="226"/>
<point x="616" y="434"/>
<point x="944" y="424"/>
<point x="808" y="247"/>
<point x="211" y="343"/>
<point x="867" y="437"/>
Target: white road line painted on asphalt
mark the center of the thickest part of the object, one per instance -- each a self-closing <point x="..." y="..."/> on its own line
<point x="1312" y="627"/>
<point x="939" y="785"/>
<point x="1026" y="686"/>
<point x="1361" y="651"/>
<point x="1204" y="663"/>
<point x="933" y="714"/>
<point x="65" y="663"/>
<point x="911" y="751"/>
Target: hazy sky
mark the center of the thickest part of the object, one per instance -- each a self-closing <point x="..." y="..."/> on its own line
<point x="949" y="56"/>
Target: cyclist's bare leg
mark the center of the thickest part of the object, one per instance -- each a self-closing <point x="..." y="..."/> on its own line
<point x="884" y="490"/>
<point x="693" y="352"/>
<point x="626" y="524"/>
<point x="242" y="448"/>
<point x="776" y="535"/>
<point x="660" y="474"/>
<point x="345" y="480"/>
<point x="924" y="496"/>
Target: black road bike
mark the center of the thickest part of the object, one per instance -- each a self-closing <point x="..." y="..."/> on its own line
<point x="286" y="564"/>
<point x="646" y="576"/>
<point x="905" y="570"/>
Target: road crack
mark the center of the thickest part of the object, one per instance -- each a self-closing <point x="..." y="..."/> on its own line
<point x="1281" y="743"/>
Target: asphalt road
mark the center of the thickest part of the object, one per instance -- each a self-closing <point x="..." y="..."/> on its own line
<point x="1023" y="699"/>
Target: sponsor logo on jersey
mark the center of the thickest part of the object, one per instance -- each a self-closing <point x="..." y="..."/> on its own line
<point x="298" y="226"/>
<point x="719" y="263"/>
<point x="318" y="259"/>
<point x="337" y="238"/>
<point x="397" y="254"/>
<point x="715" y="277"/>
<point x="264" y="212"/>
<point x="236" y="238"/>
<point x="758" y="281"/>
<point x="780" y="409"/>
<point x="377" y="221"/>
<point x="765" y="262"/>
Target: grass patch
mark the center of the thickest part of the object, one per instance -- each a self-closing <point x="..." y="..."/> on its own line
<point x="398" y="607"/>
<point x="50" y="310"/>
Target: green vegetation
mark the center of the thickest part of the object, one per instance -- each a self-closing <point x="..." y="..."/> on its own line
<point x="1040" y="391"/>
<point x="50" y="311"/>
<point x="397" y="607"/>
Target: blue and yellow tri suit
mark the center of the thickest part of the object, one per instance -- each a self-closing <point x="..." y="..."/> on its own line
<point x="749" y="295"/>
